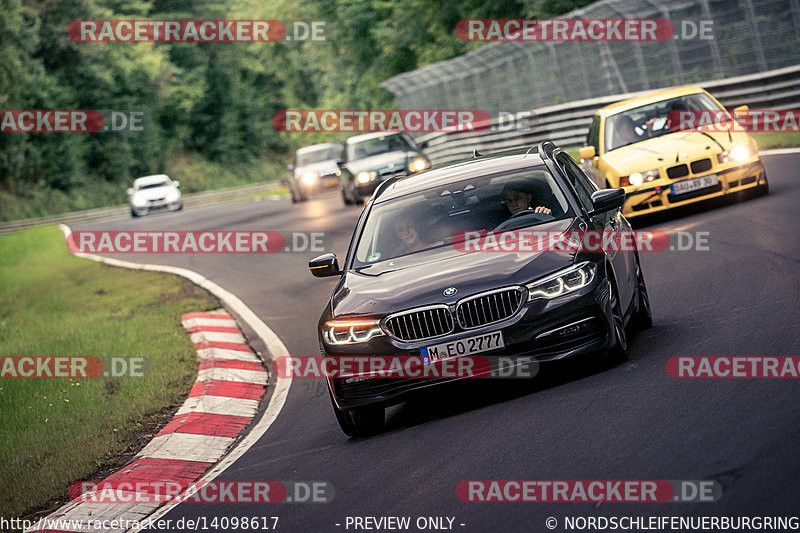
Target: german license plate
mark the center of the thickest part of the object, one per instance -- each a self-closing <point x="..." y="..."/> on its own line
<point x="461" y="347"/>
<point x="694" y="184"/>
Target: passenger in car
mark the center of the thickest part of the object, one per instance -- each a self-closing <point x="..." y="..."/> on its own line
<point x="407" y="230"/>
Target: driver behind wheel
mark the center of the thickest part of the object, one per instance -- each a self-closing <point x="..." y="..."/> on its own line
<point x="518" y="198"/>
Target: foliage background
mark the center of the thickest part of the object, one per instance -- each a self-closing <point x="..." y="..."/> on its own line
<point x="209" y="106"/>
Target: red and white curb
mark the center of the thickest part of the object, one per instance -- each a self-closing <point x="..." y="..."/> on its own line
<point x="224" y="399"/>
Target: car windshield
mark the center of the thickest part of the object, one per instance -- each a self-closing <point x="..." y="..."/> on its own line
<point x="375" y="146"/>
<point x="317" y="155"/>
<point x="652" y="120"/>
<point x="152" y="185"/>
<point x="418" y="227"/>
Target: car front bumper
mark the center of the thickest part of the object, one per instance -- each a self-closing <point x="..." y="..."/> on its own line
<point x="656" y="196"/>
<point x="543" y="330"/>
<point x="157" y="205"/>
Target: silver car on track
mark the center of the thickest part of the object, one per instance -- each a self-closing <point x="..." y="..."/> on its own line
<point x="152" y="193"/>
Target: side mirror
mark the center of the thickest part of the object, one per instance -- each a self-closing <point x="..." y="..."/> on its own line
<point x="587" y="152"/>
<point x="130" y="191"/>
<point x="324" y="266"/>
<point x="741" y="109"/>
<point x="290" y="167"/>
<point x="606" y="200"/>
<point x="422" y="145"/>
<point x="176" y="183"/>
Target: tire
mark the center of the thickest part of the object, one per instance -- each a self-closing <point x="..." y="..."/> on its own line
<point x="291" y="193"/>
<point x="360" y="422"/>
<point x="347" y="200"/>
<point x="134" y="214"/>
<point x="180" y="207"/>
<point x="763" y="190"/>
<point x="643" y="317"/>
<point x="619" y="352"/>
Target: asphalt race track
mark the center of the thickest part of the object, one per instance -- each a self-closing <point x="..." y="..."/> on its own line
<point x="631" y="421"/>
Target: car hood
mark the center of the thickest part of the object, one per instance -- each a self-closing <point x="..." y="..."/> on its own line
<point x="322" y="168"/>
<point x="387" y="161"/>
<point x="662" y="152"/>
<point x="152" y="194"/>
<point x="362" y="293"/>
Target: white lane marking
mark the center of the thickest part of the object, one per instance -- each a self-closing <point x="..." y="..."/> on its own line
<point x="222" y="353"/>
<point x="779" y="151"/>
<point x="233" y="374"/>
<point x="186" y="447"/>
<point x="215" y="336"/>
<point x="199" y="322"/>
<point x="219" y="405"/>
<point x="274" y="345"/>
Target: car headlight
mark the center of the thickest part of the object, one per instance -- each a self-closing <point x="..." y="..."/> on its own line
<point x="637" y="178"/>
<point x="308" y="178"/>
<point x="172" y="195"/>
<point x="351" y="331"/>
<point x="738" y="153"/>
<point x="565" y="281"/>
<point x="139" y="201"/>
<point x="364" y="177"/>
<point x="418" y="164"/>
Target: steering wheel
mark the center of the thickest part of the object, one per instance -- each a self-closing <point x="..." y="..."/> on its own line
<point x="508" y="224"/>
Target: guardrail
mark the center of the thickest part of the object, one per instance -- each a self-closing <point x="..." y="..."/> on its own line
<point x="567" y="124"/>
<point x="106" y="213"/>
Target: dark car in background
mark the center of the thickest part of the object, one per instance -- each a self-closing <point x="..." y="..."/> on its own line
<point x="418" y="297"/>
<point x="373" y="158"/>
<point x="314" y="169"/>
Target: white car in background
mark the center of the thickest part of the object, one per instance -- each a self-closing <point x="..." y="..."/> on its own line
<point x="151" y="193"/>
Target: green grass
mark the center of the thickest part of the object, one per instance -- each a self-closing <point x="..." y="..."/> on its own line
<point x="57" y="431"/>
<point x="776" y="140"/>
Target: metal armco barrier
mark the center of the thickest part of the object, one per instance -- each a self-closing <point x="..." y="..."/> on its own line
<point x="567" y="124"/>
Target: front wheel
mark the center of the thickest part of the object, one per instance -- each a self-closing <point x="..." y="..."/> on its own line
<point x="643" y="318"/>
<point x="763" y="189"/>
<point x="360" y="422"/>
<point x="619" y="352"/>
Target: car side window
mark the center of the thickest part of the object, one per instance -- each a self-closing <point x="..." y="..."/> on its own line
<point x="582" y="185"/>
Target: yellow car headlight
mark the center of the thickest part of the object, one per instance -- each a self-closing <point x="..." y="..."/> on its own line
<point x="738" y="153"/>
<point x="637" y="178"/>
<point x="351" y="331"/>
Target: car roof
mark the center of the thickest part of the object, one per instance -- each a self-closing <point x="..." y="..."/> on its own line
<point x="649" y="98"/>
<point x="367" y="136"/>
<point x="472" y="168"/>
<point x="315" y="147"/>
<point x="151" y="179"/>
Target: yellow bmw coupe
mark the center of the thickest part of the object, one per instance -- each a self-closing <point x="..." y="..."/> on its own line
<point x="638" y="145"/>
